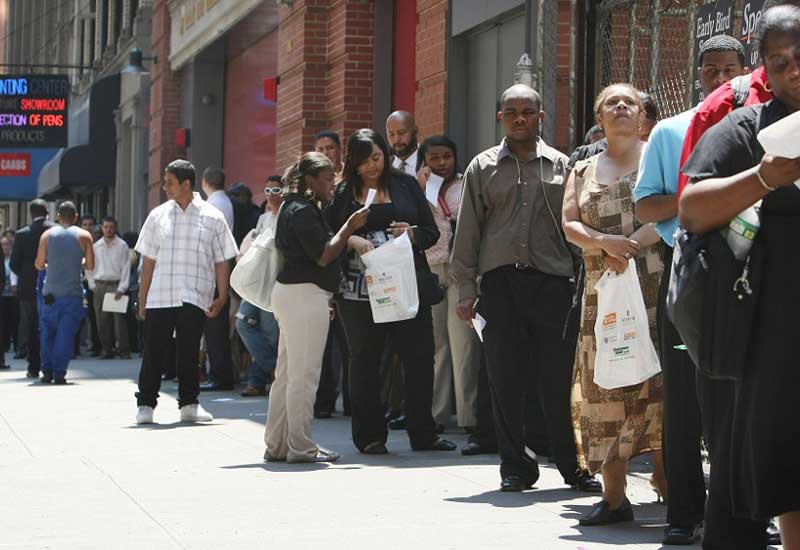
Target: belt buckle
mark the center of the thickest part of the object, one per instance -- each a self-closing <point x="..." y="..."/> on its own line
<point x="521" y="266"/>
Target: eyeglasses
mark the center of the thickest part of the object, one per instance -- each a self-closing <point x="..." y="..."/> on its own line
<point x="273" y="190"/>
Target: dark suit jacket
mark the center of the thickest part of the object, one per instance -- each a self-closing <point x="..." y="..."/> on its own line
<point x="23" y="256"/>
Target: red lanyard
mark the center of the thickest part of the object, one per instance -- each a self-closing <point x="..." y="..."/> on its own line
<point x="443" y="202"/>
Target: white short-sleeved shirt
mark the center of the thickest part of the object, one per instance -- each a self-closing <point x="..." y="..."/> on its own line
<point x="186" y="245"/>
<point x="223" y="203"/>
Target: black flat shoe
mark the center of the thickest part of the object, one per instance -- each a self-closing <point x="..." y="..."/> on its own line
<point x="514" y="484"/>
<point x="438" y="445"/>
<point x="586" y="483"/>
<point x="375" y="448"/>
<point x="602" y="514"/>
<point x="677" y="535"/>
<point x="472" y="449"/>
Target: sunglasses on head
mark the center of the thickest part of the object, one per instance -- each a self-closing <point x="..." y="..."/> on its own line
<point x="273" y="190"/>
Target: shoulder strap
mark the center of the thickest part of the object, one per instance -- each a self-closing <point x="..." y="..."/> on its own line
<point x="741" y="89"/>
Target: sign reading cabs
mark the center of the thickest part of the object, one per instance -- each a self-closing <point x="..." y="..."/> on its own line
<point x="33" y="111"/>
<point x="15" y="164"/>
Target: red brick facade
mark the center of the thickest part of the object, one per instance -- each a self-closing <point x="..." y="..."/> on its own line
<point x="431" y="99"/>
<point x="165" y="94"/>
<point x="325" y="66"/>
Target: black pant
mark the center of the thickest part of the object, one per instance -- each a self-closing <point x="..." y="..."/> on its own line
<point x="413" y="341"/>
<point x="34" y="359"/>
<point x="92" y="320"/>
<point x="159" y="324"/>
<point x="529" y="360"/>
<point x="722" y="531"/>
<point x="682" y="426"/>
<point x="9" y="320"/>
<point x="218" y="344"/>
<point x="334" y="370"/>
<point x="484" y="432"/>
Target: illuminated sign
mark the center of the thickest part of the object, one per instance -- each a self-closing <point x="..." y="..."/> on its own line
<point x="33" y="111"/>
<point x="15" y="164"/>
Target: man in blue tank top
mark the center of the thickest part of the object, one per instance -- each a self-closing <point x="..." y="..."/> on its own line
<point x="63" y="251"/>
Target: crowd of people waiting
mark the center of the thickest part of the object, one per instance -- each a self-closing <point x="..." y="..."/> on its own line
<point x="518" y="239"/>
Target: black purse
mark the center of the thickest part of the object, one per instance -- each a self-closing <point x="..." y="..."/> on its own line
<point x="429" y="288"/>
<point x="712" y="301"/>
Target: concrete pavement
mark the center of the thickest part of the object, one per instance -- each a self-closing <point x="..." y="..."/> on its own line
<point x="76" y="473"/>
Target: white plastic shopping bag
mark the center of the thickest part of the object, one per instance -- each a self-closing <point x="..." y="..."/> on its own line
<point x="392" y="281"/>
<point x="625" y="352"/>
<point x="254" y="275"/>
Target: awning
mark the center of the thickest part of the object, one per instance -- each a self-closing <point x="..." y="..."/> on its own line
<point x="92" y="164"/>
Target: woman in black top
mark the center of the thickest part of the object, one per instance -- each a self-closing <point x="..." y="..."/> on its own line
<point x="399" y="206"/>
<point x="751" y="424"/>
<point x="300" y="299"/>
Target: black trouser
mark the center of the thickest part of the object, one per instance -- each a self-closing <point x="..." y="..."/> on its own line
<point x="484" y="433"/>
<point x="34" y="359"/>
<point x="722" y="531"/>
<point x="682" y="426"/>
<point x="334" y="369"/>
<point x="218" y="345"/>
<point x="92" y="320"/>
<point x="159" y="324"/>
<point x="413" y="341"/>
<point x="529" y="360"/>
<point x="9" y="319"/>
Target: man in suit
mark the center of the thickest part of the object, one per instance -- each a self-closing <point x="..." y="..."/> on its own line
<point x="23" y="256"/>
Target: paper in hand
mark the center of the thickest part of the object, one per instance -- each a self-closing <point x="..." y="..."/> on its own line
<point x="780" y="139"/>
<point x="110" y="305"/>
<point x="479" y="323"/>
<point x="370" y="197"/>
<point x="432" y="189"/>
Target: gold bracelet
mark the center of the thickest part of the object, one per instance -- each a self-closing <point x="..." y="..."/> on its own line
<point x="766" y="186"/>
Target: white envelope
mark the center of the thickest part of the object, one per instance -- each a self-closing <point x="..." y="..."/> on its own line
<point x="110" y="305"/>
<point x="780" y="139"/>
<point x="371" y="193"/>
<point x="432" y="189"/>
<point x="479" y="323"/>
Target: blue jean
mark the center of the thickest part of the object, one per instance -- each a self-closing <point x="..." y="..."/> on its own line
<point x="259" y="332"/>
<point x="59" y="323"/>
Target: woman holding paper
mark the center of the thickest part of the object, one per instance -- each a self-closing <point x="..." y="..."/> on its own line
<point x="397" y="205"/>
<point x="301" y="304"/>
<point x="613" y="425"/>
<point x="751" y="422"/>
<point x="457" y="356"/>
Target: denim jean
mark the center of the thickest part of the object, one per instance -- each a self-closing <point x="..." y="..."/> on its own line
<point x="59" y="323"/>
<point x="259" y="332"/>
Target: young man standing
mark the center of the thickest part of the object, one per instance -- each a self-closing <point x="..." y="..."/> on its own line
<point x="187" y="246"/>
<point x="328" y="143"/>
<point x="64" y="250"/>
<point x="111" y="276"/>
<point x="401" y="133"/>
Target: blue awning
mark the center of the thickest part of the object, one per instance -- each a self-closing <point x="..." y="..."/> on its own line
<point x="25" y="188"/>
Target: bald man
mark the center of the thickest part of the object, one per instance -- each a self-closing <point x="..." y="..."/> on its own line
<point x="401" y="131"/>
<point x="509" y="236"/>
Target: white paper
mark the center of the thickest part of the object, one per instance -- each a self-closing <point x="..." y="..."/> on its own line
<point x="110" y="305"/>
<point x="370" y="197"/>
<point x="479" y="323"/>
<point x="432" y="189"/>
<point x="780" y="139"/>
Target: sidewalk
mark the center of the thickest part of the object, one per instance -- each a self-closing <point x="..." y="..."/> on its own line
<point x="76" y="473"/>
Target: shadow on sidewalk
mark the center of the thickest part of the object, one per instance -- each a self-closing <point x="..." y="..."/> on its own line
<point x="500" y="499"/>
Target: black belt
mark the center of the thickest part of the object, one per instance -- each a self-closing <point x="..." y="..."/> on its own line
<point x="107" y="282"/>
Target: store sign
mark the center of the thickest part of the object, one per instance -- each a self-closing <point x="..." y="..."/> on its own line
<point x="751" y="15"/>
<point x="710" y="20"/>
<point x="33" y="111"/>
<point x="15" y="164"/>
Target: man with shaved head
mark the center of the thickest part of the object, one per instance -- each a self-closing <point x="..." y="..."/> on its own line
<point x="509" y="237"/>
<point x="401" y="133"/>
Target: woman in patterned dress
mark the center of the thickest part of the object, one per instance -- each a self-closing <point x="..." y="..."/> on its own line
<point x="612" y="426"/>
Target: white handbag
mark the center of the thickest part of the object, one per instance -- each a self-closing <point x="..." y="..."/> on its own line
<point x="625" y="353"/>
<point x="255" y="274"/>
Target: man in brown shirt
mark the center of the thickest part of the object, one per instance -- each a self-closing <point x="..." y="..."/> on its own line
<point x="509" y="237"/>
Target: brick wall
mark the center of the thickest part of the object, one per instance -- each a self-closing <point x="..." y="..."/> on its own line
<point x="431" y="63"/>
<point x="164" y="105"/>
<point x="325" y="67"/>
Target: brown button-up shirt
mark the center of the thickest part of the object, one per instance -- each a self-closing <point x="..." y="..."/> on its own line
<point x="505" y="219"/>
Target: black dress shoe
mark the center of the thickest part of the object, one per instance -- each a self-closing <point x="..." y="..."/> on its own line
<point x="602" y="514"/>
<point x="514" y="484"/>
<point x="472" y="449"/>
<point x="773" y="534"/>
<point x="46" y="378"/>
<point x="30" y="374"/>
<point x="438" y="445"/>
<point x="213" y="386"/>
<point x="375" y="448"/>
<point x="20" y="356"/>
<point x="398" y="423"/>
<point x="678" y="535"/>
<point x="586" y="483"/>
<point x="323" y="414"/>
<point x="60" y="381"/>
<point x="3" y="367"/>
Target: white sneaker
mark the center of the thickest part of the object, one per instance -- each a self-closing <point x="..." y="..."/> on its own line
<point x="195" y="413"/>
<point x="145" y="415"/>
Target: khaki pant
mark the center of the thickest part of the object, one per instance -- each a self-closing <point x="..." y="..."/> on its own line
<point x="303" y="318"/>
<point x="457" y="358"/>
<point x="112" y="327"/>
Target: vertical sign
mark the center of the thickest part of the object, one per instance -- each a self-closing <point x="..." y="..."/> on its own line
<point x="711" y="20"/>
<point x="751" y="15"/>
<point x="33" y="111"/>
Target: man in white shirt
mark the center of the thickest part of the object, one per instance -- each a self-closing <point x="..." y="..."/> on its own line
<point x="111" y="275"/>
<point x="214" y="190"/>
<point x="186" y="246"/>
<point x="401" y="132"/>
